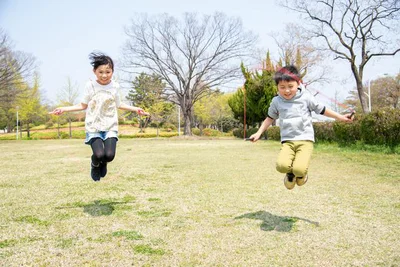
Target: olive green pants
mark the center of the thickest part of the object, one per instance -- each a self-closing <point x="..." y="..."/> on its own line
<point x="295" y="157"/>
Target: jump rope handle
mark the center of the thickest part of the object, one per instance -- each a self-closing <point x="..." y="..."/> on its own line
<point x="351" y="115"/>
<point x="248" y="139"/>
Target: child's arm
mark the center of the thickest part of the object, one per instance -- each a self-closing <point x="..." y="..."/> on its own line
<point x="61" y="110"/>
<point x="264" y="126"/>
<point x="332" y="114"/>
<point x="138" y="110"/>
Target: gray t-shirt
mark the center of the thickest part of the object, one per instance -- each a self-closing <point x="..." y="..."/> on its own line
<point x="295" y="119"/>
<point x="103" y="102"/>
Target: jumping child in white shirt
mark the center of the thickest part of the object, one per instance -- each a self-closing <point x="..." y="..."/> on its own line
<point x="101" y="101"/>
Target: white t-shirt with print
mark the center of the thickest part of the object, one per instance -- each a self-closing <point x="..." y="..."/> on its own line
<point x="103" y="102"/>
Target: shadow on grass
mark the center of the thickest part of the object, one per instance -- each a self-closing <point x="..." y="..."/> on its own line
<point x="99" y="207"/>
<point x="270" y="222"/>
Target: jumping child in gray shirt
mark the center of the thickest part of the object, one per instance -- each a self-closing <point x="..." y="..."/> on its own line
<point x="293" y="106"/>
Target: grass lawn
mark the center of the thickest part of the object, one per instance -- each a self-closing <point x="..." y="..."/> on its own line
<point x="173" y="202"/>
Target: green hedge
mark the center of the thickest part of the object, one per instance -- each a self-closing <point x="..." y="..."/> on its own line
<point x="381" y="127"/>
<point x="346" y="133"/>
<point x="240" y="133"/>
<point x="76" y="134"/>
<point x="149" y="135"/>
<point x="210" y="132"/>
<point x="273" y="133"/>
<point x="79" y="134"/>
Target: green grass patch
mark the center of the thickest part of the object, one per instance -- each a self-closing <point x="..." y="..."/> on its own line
<point x="154" y="199"/>
<point x="7" y="243"/>
<point x="359" y="146"/>
<point x="129" y="235"/>
<point x="154" y="213"/>
<point x="66" y="243"/>
<point x="147" y="249"/>
<point x="32" y="220"/>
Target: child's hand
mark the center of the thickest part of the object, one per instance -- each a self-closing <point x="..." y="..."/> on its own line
<point x="57" y="111"/>
<point x="142" y="112"/>
<point x="254" y="137"/>
<point x="347" y="117"/>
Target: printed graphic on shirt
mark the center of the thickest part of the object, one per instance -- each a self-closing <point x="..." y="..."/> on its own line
<point x="101" y="114"/>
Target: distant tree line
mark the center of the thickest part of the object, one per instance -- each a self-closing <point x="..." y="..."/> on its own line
<point x="181" y="65"/>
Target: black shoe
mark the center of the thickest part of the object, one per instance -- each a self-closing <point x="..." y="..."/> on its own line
<point x="95" y="172"/>
<point x="103" y="169"/>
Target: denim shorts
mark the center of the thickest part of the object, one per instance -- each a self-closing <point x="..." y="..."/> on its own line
<point x="102" y="135"/>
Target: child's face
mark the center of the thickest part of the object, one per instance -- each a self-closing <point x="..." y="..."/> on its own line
<point x="103" y="74"/>
<point x="287" y="89"/>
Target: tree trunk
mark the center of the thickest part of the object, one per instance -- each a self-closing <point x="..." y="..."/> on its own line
<point x="358" y="76"/>
<point x="70" y="130"/>
<point x="363" y="98"/>
<point x="28" y="130"/>
<point x="187" y="130"/>
<point x="141" y="125"/>
<point x="58" y="127"/>
<point x="187" y="116"/>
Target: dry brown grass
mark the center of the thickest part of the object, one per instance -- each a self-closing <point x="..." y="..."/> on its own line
<point x="195" y="203"/>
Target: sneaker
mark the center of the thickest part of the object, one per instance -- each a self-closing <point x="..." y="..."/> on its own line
<point x="301" y="180"/>
<point x="289" y="181"/>
<point x="103" y="169"/>
<point x="95" y="172"/>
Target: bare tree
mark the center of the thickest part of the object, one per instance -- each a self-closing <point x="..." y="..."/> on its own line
<point x="192" y="56"/>
<point x="354" y="30"/>
<point x="67" y="97"/>
<point x="13" y="64"/>
<point x="385" y="92"/>
<point x="15" y="69"/>
<point x="293" y="45"/>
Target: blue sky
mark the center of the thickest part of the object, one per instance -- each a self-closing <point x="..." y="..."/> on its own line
<point x="61" y="33"/>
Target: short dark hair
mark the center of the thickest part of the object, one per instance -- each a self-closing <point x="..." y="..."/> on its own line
<point x="97" y="59"/>
<point x="287" y="73"/>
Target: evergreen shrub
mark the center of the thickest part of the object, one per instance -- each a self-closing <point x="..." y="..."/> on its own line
<point x="323" y="132"/>
<point x="239" y="133"/>
<point x="49" y="124"/>
<point x="196" y="131"/>
<point x="169" y="127"/>
<point x="381" y="127"/>
<point x="210" y="132"/>
<point x="347" y="133"/>
<point x="273" y="133"/>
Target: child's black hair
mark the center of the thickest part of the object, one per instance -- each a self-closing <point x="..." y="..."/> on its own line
<point x="287" y="73"/>
<point x="97" y="59"/>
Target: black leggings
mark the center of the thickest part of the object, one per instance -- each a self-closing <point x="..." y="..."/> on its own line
<point x="103" y="151"/>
